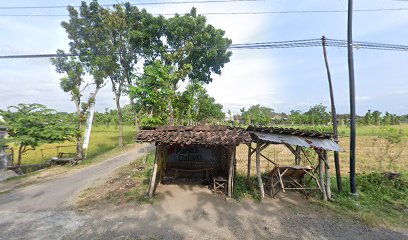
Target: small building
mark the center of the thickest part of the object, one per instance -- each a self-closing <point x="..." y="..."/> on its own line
<point x="194" y="152"/>
<point x="6" y="155"/>
<point x="209" y="152"/>
<point x="296" y="141"/>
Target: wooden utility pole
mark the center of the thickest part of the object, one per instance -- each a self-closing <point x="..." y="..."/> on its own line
<point x="334" y="117"/>
<point x="353" y="189"/>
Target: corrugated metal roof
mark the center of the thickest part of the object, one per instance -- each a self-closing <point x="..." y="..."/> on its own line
<point x="295" y="137"/>
<point x="291" y="131"/>
<point x="187" y="135"/>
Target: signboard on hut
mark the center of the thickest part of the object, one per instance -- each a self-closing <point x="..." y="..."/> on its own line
<point x="191" y="156"/>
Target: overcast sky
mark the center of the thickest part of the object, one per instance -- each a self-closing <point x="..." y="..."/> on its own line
<point x="282" y="79"/>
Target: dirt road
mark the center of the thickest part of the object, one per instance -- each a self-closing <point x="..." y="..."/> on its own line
<point x="42" y="211"/>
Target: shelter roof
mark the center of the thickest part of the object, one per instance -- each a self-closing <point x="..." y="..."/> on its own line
<point x="296" y="137"/>
<point x="199" y="135"/>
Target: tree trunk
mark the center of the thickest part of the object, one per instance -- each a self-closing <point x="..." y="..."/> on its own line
<point x="171" y="113"/>
<point x="79" y="149"/>
<point x="120" y="119"/>
<point x="20" y="155"/>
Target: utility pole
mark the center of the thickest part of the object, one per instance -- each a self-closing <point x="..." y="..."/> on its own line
<point x="353" y="189"/>
<point x="334" y="117"/>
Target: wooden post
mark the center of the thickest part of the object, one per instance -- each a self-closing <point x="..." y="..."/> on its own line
<point x="153" y="180"/>
<point x="235" y="169"/>
<point x="258" y="169"/>
<point x="231" y="171"/>
<point x="334" y="117"/>
<point x="327" y="173"/>
<point x="321" y="176"/>
<point x="249" y="161"/>
<point x="297" y="155"/>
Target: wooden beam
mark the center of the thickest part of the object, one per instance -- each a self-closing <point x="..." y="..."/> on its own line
<point x="321" y="156"/>
<point x="321" y="178"/>
<point x="258" y="169"/>
<point x="153" y="179"/>
<point x="265" y="145"/>
<point x="235" y="170"/>
<point x="327" y="173"/>
<point x="265" y="157"/>
<point x="291" y="148"/>
<point x="230" y="172"/>
<point x="297" y="155"/>
<point x="249" y="162"/>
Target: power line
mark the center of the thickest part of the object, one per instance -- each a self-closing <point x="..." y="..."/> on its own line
<point x="138" y="4"/>
<point x="252" y="46"/>
<point x="234" y="13"/>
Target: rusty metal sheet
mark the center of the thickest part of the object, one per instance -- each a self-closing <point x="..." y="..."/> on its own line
<point x="310" y="142"/>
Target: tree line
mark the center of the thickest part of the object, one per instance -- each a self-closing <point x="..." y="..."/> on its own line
<point x="316" y="115"/>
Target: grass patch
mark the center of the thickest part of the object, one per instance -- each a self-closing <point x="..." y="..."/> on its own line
<point x="380" y="201"/>
<point x="103" y="139"/>
<point x="246" y="189"/>
<point x="129" y="185"/>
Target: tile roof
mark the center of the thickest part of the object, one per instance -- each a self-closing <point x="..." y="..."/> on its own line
<point x="187" y="135"/>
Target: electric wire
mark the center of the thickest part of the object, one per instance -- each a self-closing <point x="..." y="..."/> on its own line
<point x="306" y="43"/>
<point x="232" y="13"/>
<point x="135" y="4"/>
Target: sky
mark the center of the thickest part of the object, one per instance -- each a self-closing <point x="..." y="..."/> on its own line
<point x="282" y="79"/>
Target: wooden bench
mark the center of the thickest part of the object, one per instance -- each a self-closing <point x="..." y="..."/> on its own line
<point x="177" y="170"/>
<point x="291" y="178"/>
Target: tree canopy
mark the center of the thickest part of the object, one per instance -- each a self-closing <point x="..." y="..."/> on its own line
<point x="33" y="124"/>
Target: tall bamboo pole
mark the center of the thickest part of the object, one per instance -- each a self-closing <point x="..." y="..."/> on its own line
<point x="334" y="117"/>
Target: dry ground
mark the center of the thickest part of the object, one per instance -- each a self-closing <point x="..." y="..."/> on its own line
<point x="188" y="211"/>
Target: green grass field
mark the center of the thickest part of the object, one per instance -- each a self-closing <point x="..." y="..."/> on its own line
<point x="103" y="139"/>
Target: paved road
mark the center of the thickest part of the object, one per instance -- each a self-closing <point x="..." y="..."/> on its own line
<point x="42" y="211"/>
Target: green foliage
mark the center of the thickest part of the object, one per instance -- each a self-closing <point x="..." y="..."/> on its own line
<point x="187" y="35"/>
<point x="153" y="90"/>
<point x="33" y="124"/>
<point x="257" y="115"/>
<point x="245" y="189"/>
<point x="317" y="114"/>
<point x="380" y="201"/>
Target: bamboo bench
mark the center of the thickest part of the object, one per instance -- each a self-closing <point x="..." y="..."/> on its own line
<point x="291" y="178"/>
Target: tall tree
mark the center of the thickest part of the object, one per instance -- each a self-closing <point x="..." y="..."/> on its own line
<point x="33" y="124"/>
<point x="198" y="50"/>
<point x="74" y="84"/>
<point x="111" y="42"/>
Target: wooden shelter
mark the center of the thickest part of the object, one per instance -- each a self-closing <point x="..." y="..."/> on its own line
<point x="296" y="141"/>
<point x="195" y="151"/>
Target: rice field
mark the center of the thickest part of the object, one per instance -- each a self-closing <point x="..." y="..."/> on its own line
<point x="103" y="139"/>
